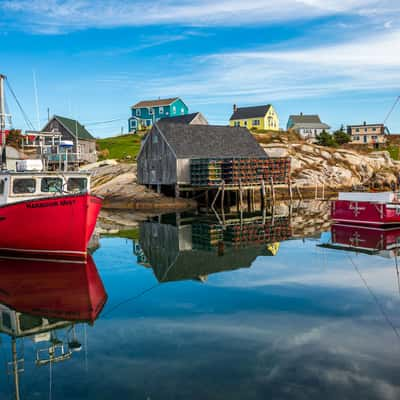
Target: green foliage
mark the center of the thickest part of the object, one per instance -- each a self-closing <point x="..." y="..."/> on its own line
<point x="341" y="137"/>
<point x="326" y="139"/>
<point x="124" y="147"/>
<point x="394" y="152"/>
<point x="132" y="234"/>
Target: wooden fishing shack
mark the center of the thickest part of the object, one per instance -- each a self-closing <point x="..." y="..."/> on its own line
<point x="200" y="158"/>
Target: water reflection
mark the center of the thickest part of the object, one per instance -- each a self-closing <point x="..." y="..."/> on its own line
<point x="46" y="301"/>
<point x="193" y="249"/>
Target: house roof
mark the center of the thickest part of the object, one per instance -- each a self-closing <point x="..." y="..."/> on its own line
<point x="155" y="103"/>
<point x="206" y="141"/>
<point x="308" y="119"/>
<point x="73" y="126"/>
<point x="364" y="125"/>
<point x="181" y="119"/>
<point x="310" y="125"/>
<point x="250" y="112"/>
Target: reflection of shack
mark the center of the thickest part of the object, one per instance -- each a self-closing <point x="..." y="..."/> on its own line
<point x="195" y="251"/>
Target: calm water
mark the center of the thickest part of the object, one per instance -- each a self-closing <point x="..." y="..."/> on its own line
<point x="177" y="314"/>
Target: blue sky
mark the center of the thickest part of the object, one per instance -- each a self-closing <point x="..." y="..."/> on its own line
<point x="93" y="60"/>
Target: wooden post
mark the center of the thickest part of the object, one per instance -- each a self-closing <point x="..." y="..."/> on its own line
<point x="240" y="195"/>
<point x="248" y="200"/>
<point x="263" y="194"/>
<point x="273" y="190"/>
<point x="158" y="188"/>
<point x="237" y="200"/>
<point x="177" y="191"/>
<point x="290" y="190"/>
<point x="207" y="201"/>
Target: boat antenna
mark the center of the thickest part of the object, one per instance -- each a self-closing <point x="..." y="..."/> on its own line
<point x="3" y="124"/>
<point x="36" y="100"/>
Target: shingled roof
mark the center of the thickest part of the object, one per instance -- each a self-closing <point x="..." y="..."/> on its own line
<point x="307" y="119"/>
<point x="250" y="112"/>
<point x="207" y="141"/>
<point x="155" y="103"/>
<point x="181" y="119"/>
<point x="74" y="127"/>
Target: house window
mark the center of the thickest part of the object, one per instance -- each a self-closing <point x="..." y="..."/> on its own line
<point x="245" y="123"/>
<point x="182" y="111"/>
<point x="174" y="110"/>
<point x="25" y="185"/>
<point x="1" y="186"/>
<point x="374" y="129"/>
<point x="357" y="130"/>
<point x="6" y="320"/>
<point x="161" y="110"/>
<point x="51" y="185"/>
<point x="365" y="139"/>
<point x="148" y="122"/>
<point x="374" y="137"/>
<point x="256" y="122"/>
<point x="133" y="123"/>
<point x="151" y="111"/>
<point x="138" y="112"/>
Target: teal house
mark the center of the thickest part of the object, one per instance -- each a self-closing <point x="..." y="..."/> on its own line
<point x="145" y="113"/>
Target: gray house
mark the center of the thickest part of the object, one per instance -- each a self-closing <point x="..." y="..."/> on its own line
<point x="168" y="149"/>
<point x="70" y="129"/>
<point x="307" y="126"/>
<point x="188" y="119"/>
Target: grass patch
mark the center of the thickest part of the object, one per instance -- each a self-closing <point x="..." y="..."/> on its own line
<point x="132" y="234"/>
<point x="393" y="151"/>
<point x="123" y="147"/>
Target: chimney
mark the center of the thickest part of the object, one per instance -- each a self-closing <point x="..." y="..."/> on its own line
<point x="301" y="114"/>
<point x="234" y="108"/>
<point x="365" y="122"/>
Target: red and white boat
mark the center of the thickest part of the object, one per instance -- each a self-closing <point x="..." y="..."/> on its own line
<point x="47" y="213"/>
<point x="367" y="208"/>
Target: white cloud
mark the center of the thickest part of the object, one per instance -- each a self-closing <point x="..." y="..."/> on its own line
<point x="371" y="63"/>
<point x="52" y="16"/>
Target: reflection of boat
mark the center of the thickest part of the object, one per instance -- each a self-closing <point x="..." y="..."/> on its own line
<point x="366" y="208"/>
<point x="364" y="238"/>
<point x="45" y="300"/>
<point x="193" y="251"/>
<point x="64" y="290"/>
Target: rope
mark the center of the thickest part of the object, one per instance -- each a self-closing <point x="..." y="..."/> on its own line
<point x="383" y="312"/>
<point x="25" y="116"/>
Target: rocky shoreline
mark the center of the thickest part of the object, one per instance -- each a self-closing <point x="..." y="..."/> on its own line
<point x="334" y="169"/>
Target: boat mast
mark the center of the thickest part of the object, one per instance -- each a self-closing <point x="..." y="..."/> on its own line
<point x="3" y="123"/>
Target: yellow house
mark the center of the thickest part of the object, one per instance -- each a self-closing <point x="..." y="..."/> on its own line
<point x="258" y="117"/>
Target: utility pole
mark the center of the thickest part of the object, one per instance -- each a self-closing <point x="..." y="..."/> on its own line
<point x="3" y="123"/>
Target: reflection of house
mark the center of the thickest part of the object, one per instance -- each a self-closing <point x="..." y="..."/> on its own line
<point x="197" y="250"/>
<point x="367" y="134"/>
<point x="146" y="113"/>
<point x="258" y="117"/>
<point x="307" y="126"/>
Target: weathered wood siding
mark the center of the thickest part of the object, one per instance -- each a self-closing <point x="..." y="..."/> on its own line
<point x="183" y="171"/>
<point x="156" y="162"/>
<point x="87" y="147"/>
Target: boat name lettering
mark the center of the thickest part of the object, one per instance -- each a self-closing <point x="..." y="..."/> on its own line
<point x="51" y="204"/>
<point x="42" y="205"/>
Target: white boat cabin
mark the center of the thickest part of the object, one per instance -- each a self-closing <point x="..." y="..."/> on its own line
<point x="29" y="185"/>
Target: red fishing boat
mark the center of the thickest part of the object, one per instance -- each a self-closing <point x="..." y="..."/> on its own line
<point x="367" y="208"/>
<point x="43" y="212"/>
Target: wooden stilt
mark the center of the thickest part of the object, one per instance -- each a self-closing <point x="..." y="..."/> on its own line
<point x="272" y="190"/>
<point x="248" y="200"/>
<point x="290" y="190"/>
<point x="263" y="194"/>
<point x="177" y="191"/>
<point x="207" y="201"/>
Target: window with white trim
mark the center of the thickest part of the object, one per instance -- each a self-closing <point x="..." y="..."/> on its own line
<point x="24" y="185"/>
<point x="138" y="112"/>
<point x="161" y="110"/>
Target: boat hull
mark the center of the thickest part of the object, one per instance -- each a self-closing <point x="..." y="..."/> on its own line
<point x="53" y="226"/>
<point x="365" y="213"/>
<point x="367" y="238"/>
